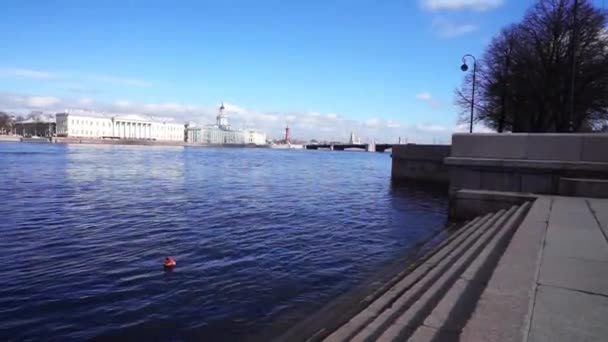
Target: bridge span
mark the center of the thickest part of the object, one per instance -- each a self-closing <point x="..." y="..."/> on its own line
<point x="342" y="147"/>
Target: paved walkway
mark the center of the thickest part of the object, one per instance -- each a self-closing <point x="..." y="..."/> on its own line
<point x="551" y="284"/>
<point x="571" y="301"/>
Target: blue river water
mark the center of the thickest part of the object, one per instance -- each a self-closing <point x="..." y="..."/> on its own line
<point x="256" y="233"/>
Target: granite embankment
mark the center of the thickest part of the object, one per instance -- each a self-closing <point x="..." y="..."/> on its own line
<point x="531" y="264"/>
<point x="10" y="138"/>
<point x="98" y="141"/>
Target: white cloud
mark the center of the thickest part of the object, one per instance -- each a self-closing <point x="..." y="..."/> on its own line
<point x="457" y="5"/>
<point x="122" y="103"/>
<point x="18" y="102"/>
<point x="431" y="128"/>
<point x="446" y="29"/>
<point x="477" y="128"/>
<point x="74" y="77"/>
<point x="424" y="96"/>
<point x="304" y="125"/>
<point x="267" y="117"/>
<point x="234" y="109"/>
<point x="27" y="73"/>
<point x="372" y="122"/>
<point x="332" y="116"/>
<point x="41" y="101"/>
<point x="85" y="101"/>
<point x="249" y="117"/>
<point x="392" y="124"/>
<point x="167" y="107"/>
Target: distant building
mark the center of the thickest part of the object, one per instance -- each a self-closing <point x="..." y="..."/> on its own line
<point x="353" y="140"/>
<point x="37" y="125"/>
<point x="222" y="134"/>
<point x="98" y="125"/>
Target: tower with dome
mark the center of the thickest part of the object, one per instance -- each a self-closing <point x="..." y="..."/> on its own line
<point x="221" y="133"/>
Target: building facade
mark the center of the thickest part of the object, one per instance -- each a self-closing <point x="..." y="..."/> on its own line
<point x="255" y="137"/>
<point x="222" y="134"/>
<point x="96" y="125"/>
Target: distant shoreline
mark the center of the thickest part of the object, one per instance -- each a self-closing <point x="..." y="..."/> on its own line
<point x="126" y="142"/>
<point x="10" y="138"/>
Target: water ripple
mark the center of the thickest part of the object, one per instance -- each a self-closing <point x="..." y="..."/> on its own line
<point x="256" y="234"/>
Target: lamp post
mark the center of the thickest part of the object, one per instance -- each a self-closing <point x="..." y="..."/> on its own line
<point x="573" y="62"/>
<point x="464" y="67"/>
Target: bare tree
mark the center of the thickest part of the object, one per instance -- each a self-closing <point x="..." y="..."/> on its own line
<point x="5" y="123"/>
<point x="525" y="76"/>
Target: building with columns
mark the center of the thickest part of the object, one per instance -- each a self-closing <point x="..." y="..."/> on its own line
<point x="222" y="134"/>
<point x="103" y="126"/>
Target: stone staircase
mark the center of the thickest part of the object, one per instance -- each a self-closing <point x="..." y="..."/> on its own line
<point x="434" y="301"/>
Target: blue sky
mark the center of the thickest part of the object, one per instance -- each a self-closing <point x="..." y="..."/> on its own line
<point x="382" y="68"/>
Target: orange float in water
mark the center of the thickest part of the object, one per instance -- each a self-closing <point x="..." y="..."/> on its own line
<point x="169" y="262"/>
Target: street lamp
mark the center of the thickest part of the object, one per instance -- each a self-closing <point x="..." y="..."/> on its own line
<point x="464" y="67"/>
<point x="573" y="62"/>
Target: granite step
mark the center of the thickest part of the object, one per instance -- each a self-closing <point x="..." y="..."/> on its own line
<point x="419" y="289"/>
<point x="452" y="312"/>
<point x="385" y="300"/>
<point x="402" y="328"/>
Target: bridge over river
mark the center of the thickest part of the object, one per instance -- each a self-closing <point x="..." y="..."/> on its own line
<point x="342" y="147"/>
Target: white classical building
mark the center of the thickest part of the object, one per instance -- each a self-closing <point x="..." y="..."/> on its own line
<point x="98" y="125"/>
<point x="222" y="134"/>
<point x="254" y="137"/>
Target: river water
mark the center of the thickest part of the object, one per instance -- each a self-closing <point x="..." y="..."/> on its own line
<point x="256" y="233"/>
